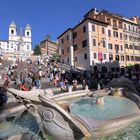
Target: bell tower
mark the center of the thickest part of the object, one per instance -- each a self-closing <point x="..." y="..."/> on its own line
<point x="12" y="30"/>
<point x="28" y="32"/>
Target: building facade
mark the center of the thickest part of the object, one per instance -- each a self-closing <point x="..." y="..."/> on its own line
<point x="99" y="40"/>
<point x="131" y="42"/>
<point x="48" y="47"/>
<point x="18" y="46"/>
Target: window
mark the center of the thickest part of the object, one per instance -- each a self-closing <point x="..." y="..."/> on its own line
<point x="85" y="56"/>
<point x="84" y="29"/>
<point x="109" y="21"/>
<point x="28" y="33"/>
<point x="93" y="28"/>
<point x="67" y="37"/>
<point x="133" y="29"/>
<point x="27" y="47"/>
<point x="116" y="48"/>
<point x="120" y="24"/>
<point x="125" y="27"/>
<point x="103" y="30"/>
<point x="130" y="47"/>
<point x="126" y="46"/>
<point x="121" y="48"/>
<point x="114" y="33"/>
<point x="94" y="42"/>
<point x="104" y="44"/>
<point x="74" y="35"/>
<point x="125" y="36"/>
<point x="68" y="49"/>
<point x="117" y="34"/>
<point x="122" y="58"/>
<point x="110" y="57"/>
<point x="95" y="55"/>
<point x="129" y="27"/>
<point x="75" y="47"/>
<point x="62" y="41"/>
<point x="110" y="46"/>
<point x="130" y="38"/>
<point x="121" y="36"/>
<point x="136" y="47"/>
<point x="104" y="56"/>
<point x="114" y="23"/>
<point x="132" y="58"/>
<point x="109" y="33"/>
<point x="67" y="60"/>
<point x="84" y="44"/>
<point x="12" y="31"/>
<point x="63" y="51"/>
<point x="117" y="58"/>
<point x="127" y="57"/>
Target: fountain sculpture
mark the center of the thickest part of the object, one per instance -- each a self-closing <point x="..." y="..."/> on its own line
<point x="55" y="118"/>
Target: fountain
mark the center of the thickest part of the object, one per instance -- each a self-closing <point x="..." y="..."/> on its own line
<point x="99" y="99"/>
<point x="75" y="115"/>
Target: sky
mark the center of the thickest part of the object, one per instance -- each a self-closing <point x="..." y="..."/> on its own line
<point x="53" y="17"/>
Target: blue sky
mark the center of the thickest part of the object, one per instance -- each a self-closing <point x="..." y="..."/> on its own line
<point x="55" y="16"/>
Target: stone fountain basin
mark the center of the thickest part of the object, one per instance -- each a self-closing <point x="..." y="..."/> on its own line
<point x="102" y="126"/>
<point x="90" y="125"/>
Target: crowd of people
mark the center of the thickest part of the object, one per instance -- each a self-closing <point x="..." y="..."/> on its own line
<point x="32" y="76"/>
<point x="28" y="78"/>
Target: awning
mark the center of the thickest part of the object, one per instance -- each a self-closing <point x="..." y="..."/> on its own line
<point x="130" y="65"/>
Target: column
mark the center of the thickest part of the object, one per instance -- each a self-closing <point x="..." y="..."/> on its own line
<point x="89" y="40"/>
<point x="71" y="49"/>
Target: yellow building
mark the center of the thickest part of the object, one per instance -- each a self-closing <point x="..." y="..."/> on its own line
<point x="81" y="46"/>
<point x="100" y="40"/>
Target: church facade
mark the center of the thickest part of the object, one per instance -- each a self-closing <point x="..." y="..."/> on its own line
<point x="18" y="46"/>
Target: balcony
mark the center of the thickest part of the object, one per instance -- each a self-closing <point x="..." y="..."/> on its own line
<point x="115" y="27"/>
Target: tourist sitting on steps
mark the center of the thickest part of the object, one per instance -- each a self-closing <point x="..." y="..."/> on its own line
<point x="84" y="84"/>
<point x="6" y="81"/>
<point x="63" y="86"/>
<point x="23" y="87"/>
<point x="74" y="82"/>
<point x="66" y="84"/>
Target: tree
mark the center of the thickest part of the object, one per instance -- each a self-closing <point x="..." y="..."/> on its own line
<point x="56" y="56"/>
<point x="37" y="50"/>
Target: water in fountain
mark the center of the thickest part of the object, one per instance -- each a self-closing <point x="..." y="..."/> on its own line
<point x="131" y="132"/>
<point x="22" y="124"/>
<point x="114" y="107"/>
